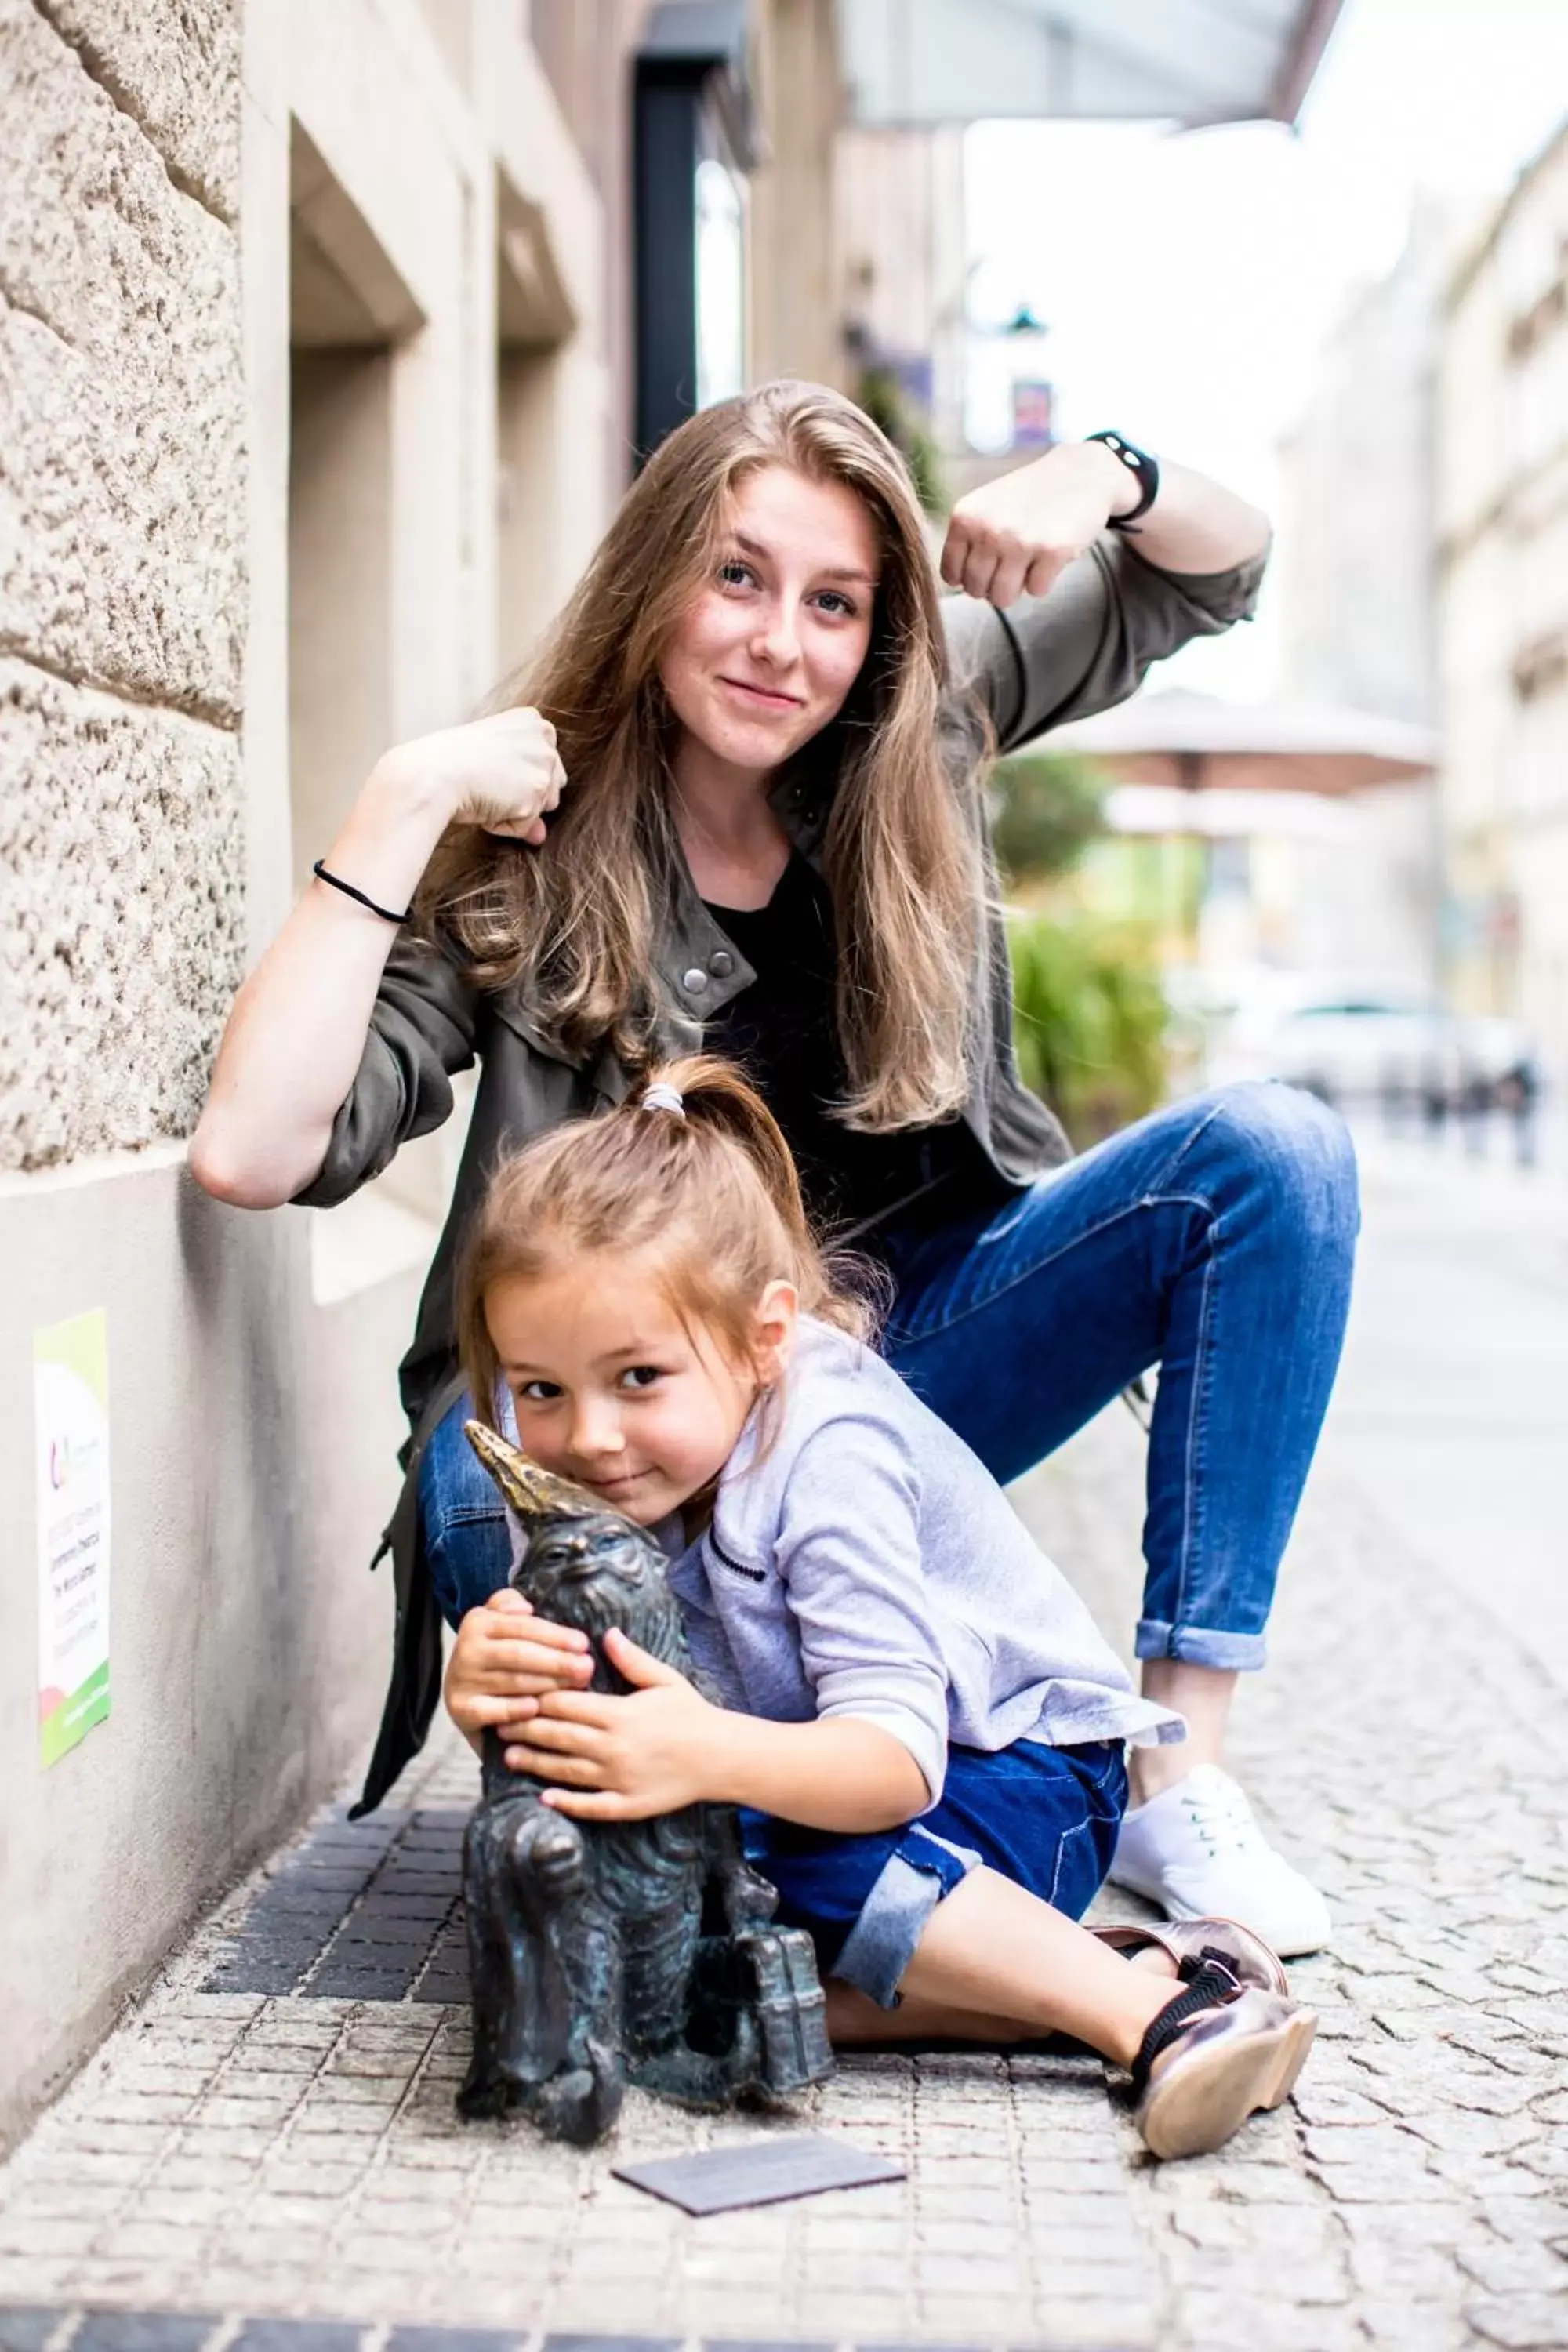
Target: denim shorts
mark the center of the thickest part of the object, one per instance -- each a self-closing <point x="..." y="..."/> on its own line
<point x="1045" y="1817"/>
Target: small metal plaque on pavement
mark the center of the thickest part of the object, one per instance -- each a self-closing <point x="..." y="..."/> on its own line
<point x="759" y="2172"/>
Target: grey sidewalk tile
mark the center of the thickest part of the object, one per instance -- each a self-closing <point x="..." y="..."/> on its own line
<point x="431" y="1911"/>
<point x="292" y="1904"/>
<point x="25" y="2328"/>
<point x="298" y="2335"/>
<point x="255" y="1975"/>
<point x="142" y="2331"/>
<point x="346" y="1982"/>
<point x="455" y="2339"/>
<point x="329" y="1876"/>
<point x="568" y="2343"/>
<point x="358" y="1948"/>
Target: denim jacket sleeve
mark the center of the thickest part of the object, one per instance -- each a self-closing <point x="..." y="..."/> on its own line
<point x="422" y="1032"/>
<point x="1085" y="646"/>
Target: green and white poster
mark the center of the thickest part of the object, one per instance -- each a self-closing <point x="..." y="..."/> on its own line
<point x="70" y="1386"/>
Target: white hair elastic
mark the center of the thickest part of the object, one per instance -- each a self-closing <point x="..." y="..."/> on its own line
<point x="663" y="1098"/>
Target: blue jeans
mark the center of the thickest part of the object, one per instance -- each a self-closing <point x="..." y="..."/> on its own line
<point x="1045" y="1817"/>
<point x="1216" y="1240"/>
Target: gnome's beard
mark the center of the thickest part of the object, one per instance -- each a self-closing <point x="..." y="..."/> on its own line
<point x="625" y="1586"/>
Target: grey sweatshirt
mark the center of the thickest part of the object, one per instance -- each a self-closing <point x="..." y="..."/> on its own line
<point x="862" y="1561"/>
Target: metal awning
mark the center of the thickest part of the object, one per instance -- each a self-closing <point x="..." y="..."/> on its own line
<point x="913" y="62"/>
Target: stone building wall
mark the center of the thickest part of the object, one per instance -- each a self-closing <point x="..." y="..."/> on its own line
<point x="213" y="212"/>
<point x="121" y="568"/>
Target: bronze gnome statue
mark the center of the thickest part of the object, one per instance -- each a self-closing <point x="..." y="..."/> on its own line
<point x="604" y="1953"/>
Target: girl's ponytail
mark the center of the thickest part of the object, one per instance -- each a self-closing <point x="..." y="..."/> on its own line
<point x="715" y="1097"/>
<point x="691" y="1166"/>
<point x="723" y="1112"/>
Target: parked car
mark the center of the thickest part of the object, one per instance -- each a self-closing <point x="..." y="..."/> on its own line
<point x="1356" y="1046"/>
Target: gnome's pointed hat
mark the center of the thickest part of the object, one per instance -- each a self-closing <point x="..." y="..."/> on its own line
<point x="530" y="1492"/>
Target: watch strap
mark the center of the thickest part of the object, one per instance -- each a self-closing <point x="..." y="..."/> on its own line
<point x="1144" y="468"/>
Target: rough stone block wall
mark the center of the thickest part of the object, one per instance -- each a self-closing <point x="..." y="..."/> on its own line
<point x="121" y="567"/>
<point x="173" y="66"/>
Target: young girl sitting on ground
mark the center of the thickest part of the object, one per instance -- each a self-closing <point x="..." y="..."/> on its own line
<point x="920" y="1720"/>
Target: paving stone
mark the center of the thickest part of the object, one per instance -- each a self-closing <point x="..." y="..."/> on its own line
<point x="24" y="2330"/>
<point x="1518" y="2269"/>
<point x="36" y="2275"/>
<point x="139" y="2331"/>
<point x="568" y="2343"/>
<point x="295" y="2335"/>
<point x="450" y="2339"/>
<point x="1524" y="2323"/>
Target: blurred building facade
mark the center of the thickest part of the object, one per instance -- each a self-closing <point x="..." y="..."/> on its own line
<point x="1358" y="593"/>
<point x="1358" y="554"/>
<point x="902" y="252"/>
<point x="1503" y="474"/>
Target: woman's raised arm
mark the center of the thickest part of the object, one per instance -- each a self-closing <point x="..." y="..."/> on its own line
<point x="1016" y="535"/>
<point x="1063" y="615"/>
<point x="294" y="1039"/>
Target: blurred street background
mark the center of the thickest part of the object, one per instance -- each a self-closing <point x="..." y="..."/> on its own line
<point x="330" y="333"/>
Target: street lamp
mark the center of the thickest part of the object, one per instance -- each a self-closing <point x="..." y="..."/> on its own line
<point x="1011" y="401"/>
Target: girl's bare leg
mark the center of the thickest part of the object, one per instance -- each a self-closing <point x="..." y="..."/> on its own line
<point x="995" y="1964"/>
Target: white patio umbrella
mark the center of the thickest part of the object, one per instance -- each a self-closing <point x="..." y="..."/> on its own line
<point x="1236" y="814"/>
<point x="1200" y="743"/>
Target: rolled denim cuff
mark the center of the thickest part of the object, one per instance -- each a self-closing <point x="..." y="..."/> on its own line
<point x="1202" y="1645"/>
<point x="881" y="1944"/>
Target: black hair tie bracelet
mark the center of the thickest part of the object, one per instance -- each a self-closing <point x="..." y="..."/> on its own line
<point x="386" y="913"/>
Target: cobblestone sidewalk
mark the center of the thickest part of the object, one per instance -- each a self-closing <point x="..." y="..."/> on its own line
<point x="288" y="2146"/>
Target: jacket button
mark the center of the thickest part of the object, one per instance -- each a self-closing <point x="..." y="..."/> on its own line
<point x="722" y="963"/>
<point x="695" y="981"/>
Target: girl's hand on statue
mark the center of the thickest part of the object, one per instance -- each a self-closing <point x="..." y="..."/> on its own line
<point x="502" y="772"/>
<point x="504" y="1658"/>
<point x="622" y="1758"/>
<point x="1013" y="537"/>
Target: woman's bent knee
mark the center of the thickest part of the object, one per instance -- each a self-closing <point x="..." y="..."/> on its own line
<point x="463" y="1525"/>
<point x="1298" y="1156"/>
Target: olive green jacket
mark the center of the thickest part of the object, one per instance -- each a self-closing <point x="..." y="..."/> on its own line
<point x="1081" y="649"/>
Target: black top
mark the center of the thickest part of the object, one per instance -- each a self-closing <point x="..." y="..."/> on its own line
<point x="783" y="1033"/>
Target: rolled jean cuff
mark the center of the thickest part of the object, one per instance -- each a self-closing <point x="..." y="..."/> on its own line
<point x="1202" y="1645"/>
<point x="883" y="1940"/>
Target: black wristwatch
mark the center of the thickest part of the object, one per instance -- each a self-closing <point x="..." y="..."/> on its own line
<point x="1137" y="462"/>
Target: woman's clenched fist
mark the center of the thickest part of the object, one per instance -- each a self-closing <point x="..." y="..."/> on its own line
<point x="502" y="772"/>
<point x="1013" y="537"/>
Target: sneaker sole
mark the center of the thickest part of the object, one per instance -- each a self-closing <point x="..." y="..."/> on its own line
<point x="1200" y="2104"/>
<point x="1294" y="1947"/>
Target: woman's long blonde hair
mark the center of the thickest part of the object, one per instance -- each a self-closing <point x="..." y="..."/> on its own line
<point x="577" y="919"/>
<point x="711" y="1188"/>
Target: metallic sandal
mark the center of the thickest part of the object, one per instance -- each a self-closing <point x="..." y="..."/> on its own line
<point x="1250" y="1960"/>
<point x="1217" y="2053"/>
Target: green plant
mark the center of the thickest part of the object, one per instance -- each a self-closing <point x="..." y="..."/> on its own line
<point x="1046" y="808"/>
<point x="1090" y="1020"/>
<point x="888" y="405"/>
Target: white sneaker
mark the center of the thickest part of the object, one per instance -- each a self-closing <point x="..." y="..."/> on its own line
<point x="1196" y="1851"/>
